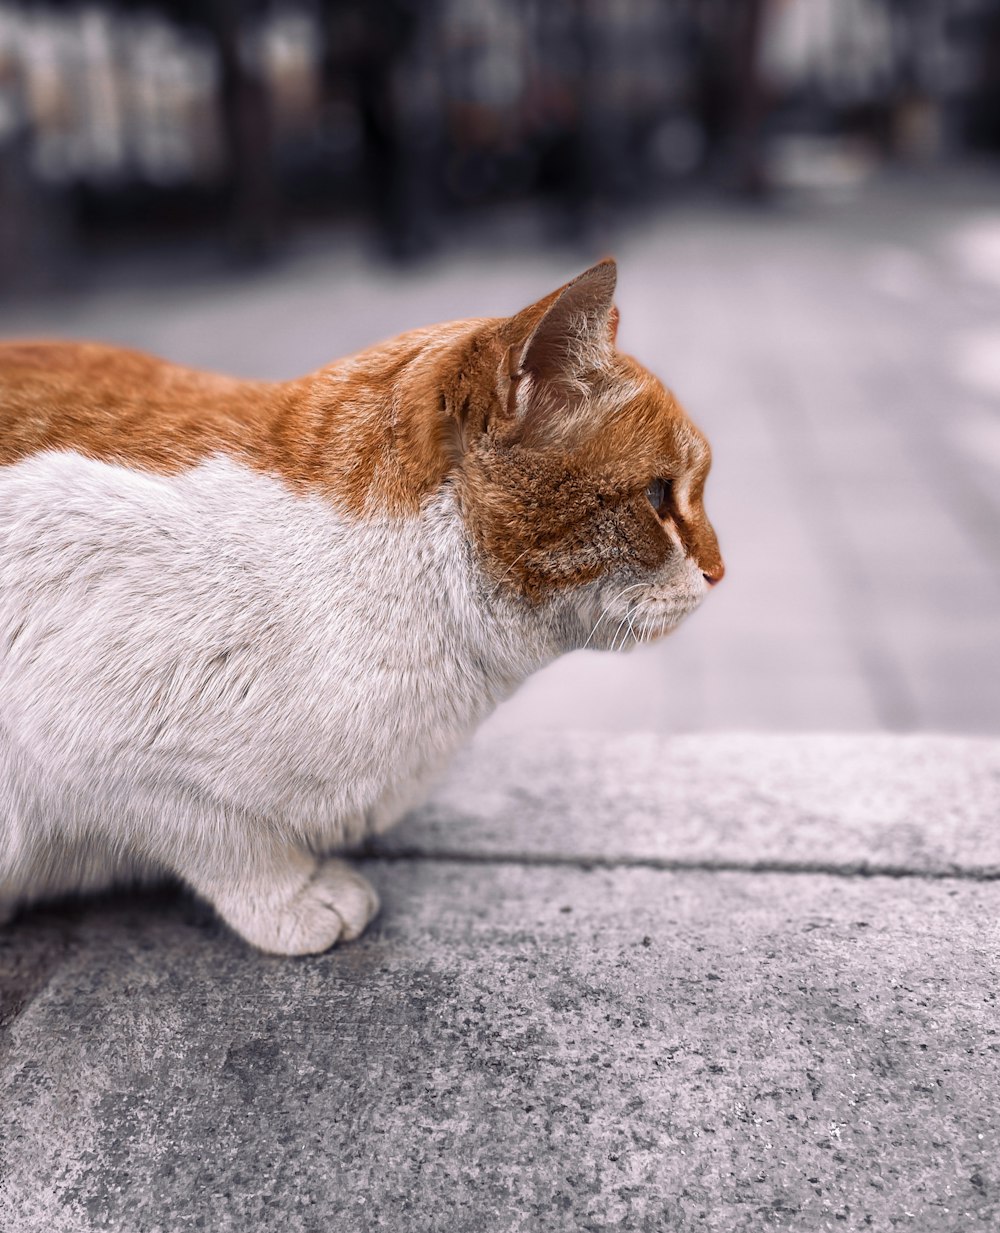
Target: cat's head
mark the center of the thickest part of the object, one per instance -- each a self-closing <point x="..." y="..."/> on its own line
<point x="580" y="477"/>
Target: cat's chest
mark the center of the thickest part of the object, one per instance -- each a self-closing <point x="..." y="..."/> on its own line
<point x="220" y="629"/>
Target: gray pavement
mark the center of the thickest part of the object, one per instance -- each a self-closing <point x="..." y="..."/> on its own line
<point x="652" y="986"/>
<point x="850" y="804"/>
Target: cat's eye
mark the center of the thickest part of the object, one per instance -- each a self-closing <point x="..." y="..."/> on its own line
<point x="659" y="495"/>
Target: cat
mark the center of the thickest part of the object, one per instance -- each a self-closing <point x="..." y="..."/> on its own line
<point x="243" y="624"/>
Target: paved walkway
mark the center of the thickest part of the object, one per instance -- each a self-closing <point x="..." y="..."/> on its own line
<point x="637" y="983"/>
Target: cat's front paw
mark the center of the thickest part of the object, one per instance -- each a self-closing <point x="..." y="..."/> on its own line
<point x="334" y="905"/>
<point x="339" y="888"/>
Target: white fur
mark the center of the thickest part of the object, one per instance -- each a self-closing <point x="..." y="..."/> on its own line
<point x="208" y="675"/>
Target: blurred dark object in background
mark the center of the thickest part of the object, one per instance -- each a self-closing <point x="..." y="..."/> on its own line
<point x="122" y="122"/>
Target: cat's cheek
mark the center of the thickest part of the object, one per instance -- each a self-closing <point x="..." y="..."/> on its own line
<point x="621" y="613"/>
<point x="686" y="585"/>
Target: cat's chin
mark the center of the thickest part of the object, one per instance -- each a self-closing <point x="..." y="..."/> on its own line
<point x="628" y="630"/>
<point x="642" y="612"/>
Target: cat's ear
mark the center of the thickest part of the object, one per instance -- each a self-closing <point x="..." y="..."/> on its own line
<point x="557" y="348"/>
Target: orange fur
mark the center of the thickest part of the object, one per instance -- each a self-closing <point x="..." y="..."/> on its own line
<point x="334" y="431"/>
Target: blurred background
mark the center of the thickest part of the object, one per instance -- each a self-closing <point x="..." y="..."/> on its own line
<point x="804" y="198"/>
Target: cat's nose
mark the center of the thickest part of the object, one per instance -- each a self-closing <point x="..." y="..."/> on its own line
<point x="715" y="576"/>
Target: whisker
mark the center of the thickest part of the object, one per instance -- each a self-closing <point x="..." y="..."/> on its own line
<point x="631" y="625"/>
<point x="614" y="639"/>
<point x="627" y="622"/>
<point x="607" y="609"/>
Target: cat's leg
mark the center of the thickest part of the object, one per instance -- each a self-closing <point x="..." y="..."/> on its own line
<point x="57" y="867"/>
<point x="288" y="902"/>
<point x="51" y="846"/>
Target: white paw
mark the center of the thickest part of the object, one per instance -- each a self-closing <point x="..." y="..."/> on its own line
<point x="347" y="893"/>
<point x="335" y="905"/>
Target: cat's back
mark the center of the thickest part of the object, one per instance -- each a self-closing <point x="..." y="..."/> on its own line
<point x="112" y="403"/>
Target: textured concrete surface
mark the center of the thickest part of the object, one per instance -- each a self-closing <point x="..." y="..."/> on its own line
<point x="846" y="803"/>
<point x="532" y="1042"/>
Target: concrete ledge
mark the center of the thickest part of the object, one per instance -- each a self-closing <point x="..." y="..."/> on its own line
<point x="927" y="804"/>
<point x="545" y="1045"/>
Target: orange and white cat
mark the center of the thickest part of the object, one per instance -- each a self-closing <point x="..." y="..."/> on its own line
<point x="242" y="624"/>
